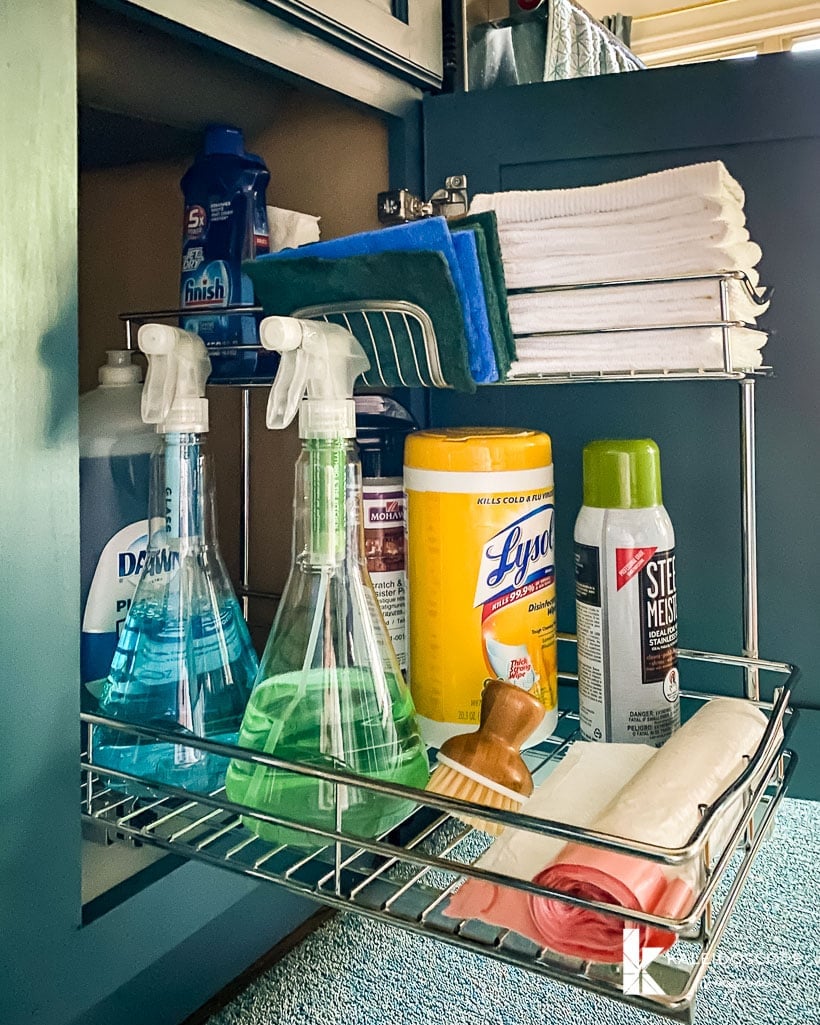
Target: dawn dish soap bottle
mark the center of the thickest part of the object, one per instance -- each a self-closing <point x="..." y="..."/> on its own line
<point x="115" y="459"/>
<point x="184" y="661"/>
<point x="329" y="692"/>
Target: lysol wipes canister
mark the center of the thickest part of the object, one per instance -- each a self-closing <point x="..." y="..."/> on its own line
<point x="481" y="573"/>
<point x="626" y="597"/>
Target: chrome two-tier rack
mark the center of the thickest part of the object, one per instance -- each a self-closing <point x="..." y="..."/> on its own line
<point x="406" y="876"/>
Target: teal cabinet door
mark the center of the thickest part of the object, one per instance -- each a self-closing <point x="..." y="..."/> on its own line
<point x="760" y="118"/>
<point x="159" y="955"/>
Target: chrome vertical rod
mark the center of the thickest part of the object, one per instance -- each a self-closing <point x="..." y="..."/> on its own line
<point x="723" y="287"/>
<point x="89" y="776"/>
<point x="749" y="529"/>
<point x="337" y="853"/>
<point x="245" y="501"/>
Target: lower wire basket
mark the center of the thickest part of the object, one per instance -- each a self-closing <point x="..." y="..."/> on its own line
<point x="406" y="876"/>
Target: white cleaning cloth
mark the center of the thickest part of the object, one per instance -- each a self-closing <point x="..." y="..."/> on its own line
<point x="694" y="209"/>
<point x="552" y="238"/>
<point x="288" y="229"/>
<point x="683" y="349"/>
<point x="659" y="261"/>
<point x="575" y="793"/>
<point x="683" y="222"/>
<point x="596" y="309"/>
<point x="703" y="182"/>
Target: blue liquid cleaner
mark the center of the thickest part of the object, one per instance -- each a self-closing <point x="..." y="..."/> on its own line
<point x="190" y="676"/>
<point x="284" y="718"/>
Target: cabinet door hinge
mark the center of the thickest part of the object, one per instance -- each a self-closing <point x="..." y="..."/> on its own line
<point x="399" y="205"/>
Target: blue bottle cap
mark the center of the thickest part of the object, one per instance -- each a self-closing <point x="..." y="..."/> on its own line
<point x="224" y="139"/>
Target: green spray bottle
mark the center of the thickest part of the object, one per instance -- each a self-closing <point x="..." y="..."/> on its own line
<point x="329" y="691"/>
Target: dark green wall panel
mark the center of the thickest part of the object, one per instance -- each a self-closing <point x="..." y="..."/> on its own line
<point x="760" y="118"/>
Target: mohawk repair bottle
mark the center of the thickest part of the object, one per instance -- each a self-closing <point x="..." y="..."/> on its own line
<point x="625" y="597"/>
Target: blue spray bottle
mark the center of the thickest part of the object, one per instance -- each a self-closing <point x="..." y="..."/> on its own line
<point x="184" y="660"/>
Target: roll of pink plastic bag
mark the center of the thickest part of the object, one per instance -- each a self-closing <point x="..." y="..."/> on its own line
<point x="629" y="791"/>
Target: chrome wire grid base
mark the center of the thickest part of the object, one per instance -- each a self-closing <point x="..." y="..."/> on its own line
<point x="406" y="876"/>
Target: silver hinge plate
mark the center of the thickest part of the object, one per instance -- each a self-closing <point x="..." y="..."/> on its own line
<point x="400" y="206"/>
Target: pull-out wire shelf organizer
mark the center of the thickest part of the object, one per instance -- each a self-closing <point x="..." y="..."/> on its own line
<point x="406" y="876"/>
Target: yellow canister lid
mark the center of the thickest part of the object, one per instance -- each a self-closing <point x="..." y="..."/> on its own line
<point x="477" y="449"/>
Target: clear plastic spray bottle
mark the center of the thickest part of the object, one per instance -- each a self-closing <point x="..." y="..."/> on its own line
<point x="184" y="660"/>
<point x="329" y="691"/>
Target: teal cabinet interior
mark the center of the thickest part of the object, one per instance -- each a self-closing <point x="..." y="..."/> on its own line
<point x="760" y="118"/>
<point x="159" y="954"/>
<point x="162" y="952"/>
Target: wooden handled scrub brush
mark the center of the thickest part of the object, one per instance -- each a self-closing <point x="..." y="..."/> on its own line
<point x="486" y="766"/>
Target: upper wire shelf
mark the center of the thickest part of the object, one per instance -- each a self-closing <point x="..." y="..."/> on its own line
<point x="409" y="355"/>
<point x="406" y="876"/>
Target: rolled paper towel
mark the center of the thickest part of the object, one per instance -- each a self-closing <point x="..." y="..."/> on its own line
<point x="657" y="802"/>
<point x="575" y="793"/>
<point x="660" y="805"/>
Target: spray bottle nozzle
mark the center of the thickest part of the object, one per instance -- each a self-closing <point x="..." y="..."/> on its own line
<point x="178" y="369"/>
<point x="318" y="367"/>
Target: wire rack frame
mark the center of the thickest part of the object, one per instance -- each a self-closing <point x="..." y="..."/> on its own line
<point x="406" y="876"/>
<point x="411" y="356"/>
<point x="349" y="880"/>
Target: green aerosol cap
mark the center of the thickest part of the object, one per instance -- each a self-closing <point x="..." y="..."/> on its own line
<point x="622" y="474"/>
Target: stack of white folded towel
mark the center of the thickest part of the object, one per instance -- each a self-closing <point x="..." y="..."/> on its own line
<point x="683" y="222"/>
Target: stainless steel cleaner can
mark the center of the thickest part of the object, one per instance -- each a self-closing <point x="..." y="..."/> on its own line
<point x="626" y="597"/>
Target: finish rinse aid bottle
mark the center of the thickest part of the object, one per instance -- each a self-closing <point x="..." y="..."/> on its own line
<point x="329" y="692"/>
<point x="184" y="661"/>
<point x="626" y="597"/>
<point x="225" y="223"/>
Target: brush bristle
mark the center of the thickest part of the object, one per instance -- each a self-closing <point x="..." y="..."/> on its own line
<point x="450" y="783"/>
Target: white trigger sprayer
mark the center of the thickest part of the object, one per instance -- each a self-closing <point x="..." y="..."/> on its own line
<point x="173" y="398"/>
<point x="318" y="368"/>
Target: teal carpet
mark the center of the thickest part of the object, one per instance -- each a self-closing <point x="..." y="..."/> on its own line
<point x="355" y="971"/>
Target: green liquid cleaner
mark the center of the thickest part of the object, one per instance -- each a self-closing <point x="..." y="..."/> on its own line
<point x="285" y="717"/>
<point x="329" y="692"/>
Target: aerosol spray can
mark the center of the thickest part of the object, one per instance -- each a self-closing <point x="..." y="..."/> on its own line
<point x="626" y="602"/>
